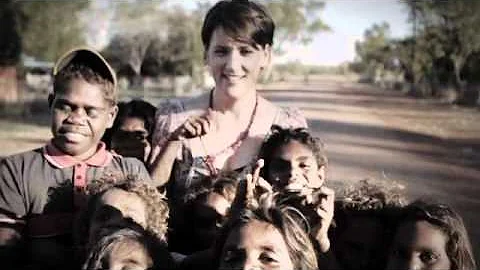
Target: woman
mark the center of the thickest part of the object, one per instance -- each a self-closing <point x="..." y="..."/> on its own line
<point x="221" y="130"/>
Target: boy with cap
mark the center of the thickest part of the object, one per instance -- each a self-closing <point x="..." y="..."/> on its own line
<point x="41" y="190"/>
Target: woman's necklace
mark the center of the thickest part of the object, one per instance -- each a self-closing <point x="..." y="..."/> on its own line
<point x="209" y="159"/>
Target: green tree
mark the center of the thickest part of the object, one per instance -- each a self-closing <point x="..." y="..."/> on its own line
<point x="296" y="21"/>
<point x="52" y="27"/>
<point x="446" y="31"/>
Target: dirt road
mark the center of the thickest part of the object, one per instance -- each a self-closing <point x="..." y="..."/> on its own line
<point x="432" y="149"/>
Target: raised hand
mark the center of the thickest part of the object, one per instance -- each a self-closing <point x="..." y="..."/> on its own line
<point x="195" y="126"/>
<point x="323" y="205"/>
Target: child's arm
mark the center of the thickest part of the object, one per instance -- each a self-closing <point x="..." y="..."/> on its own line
<point x="11" y="209"/>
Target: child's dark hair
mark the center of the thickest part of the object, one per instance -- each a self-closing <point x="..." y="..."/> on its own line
<point x="224" y="184"/>
<point x="282" y="136"/>
<point x="368" y="198"/>
<point x="458" y="248"/>
<point x="82" y="71"/>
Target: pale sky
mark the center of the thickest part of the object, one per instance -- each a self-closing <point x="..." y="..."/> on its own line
<point x="348" y="20"/>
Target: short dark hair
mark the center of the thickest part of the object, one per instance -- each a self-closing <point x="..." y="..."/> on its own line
<point x="240" y="19"/>
<point x="282" y="136"/>
<point x="82" y="71"/>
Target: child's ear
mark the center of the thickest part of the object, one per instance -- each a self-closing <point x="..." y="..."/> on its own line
<point x="111" y="116"/>
<point x="322" y="173"/>
<point x="51" y="97"/>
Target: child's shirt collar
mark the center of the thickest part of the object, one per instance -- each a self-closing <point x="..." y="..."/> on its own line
<point x="53" y="155"/>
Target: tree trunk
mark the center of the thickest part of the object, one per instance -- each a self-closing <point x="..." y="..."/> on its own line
<point x="8" y="85"/>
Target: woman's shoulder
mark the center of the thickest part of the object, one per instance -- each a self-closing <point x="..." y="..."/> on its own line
<point x="287" y="117"/>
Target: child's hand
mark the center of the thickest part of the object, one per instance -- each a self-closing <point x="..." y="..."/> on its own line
<point x="251" y="188"/>
<point x="324" y="209"/>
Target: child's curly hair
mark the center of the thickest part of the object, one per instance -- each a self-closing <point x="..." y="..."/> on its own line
<point x="131" y="233"/>
<point x="155" y="202"/>
<point x="368" y="194"/>
<point x="282" y="136"/>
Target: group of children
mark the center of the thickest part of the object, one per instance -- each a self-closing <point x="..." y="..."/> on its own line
<point x="74" y="204"/>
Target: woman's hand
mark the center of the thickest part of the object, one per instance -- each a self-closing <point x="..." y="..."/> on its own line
<point x="195" y="126"/>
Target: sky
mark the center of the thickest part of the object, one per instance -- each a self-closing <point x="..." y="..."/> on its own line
<point x="348" y="20"/>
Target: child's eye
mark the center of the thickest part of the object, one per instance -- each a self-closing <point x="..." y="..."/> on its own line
<point x="220" y="51"/>
<point x="63" y="107"/>
<point x="267" y="259"/>
<point x="428" y="257"/>
<point x="92" y="112"/>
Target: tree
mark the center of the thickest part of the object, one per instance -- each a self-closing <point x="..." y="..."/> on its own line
<point x="10" y="39"/>
<point x="446" y="30"/>
<point x="10" y="49"/>
<point x="296" y="21"/>
<point x="51" y="27"/>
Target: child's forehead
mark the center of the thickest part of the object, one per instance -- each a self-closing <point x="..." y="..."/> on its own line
<point x="81" y="91"/>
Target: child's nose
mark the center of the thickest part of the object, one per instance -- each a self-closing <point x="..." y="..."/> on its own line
<point x="77" y="116"/>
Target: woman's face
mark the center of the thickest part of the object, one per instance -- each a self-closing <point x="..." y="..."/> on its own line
<point x="234" y="65"/>
<point x="114" y="207"/>
<point x="127" y="255"/>
<point x="419" y="245"/>
<point x="255" y="245"/>
<point x="294" y="167"/>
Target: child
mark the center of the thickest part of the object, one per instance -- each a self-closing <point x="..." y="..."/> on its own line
<point x="206" y="208"/>
<point x="267" y="237"/>
<point x="295" y="166"/>
<point x="40" y="190"/>
<point x="431" y="236"/>
<point x="363" y="216"/>
<point x="131" y="134"/>
<point x="113" y="200"/>
<point x="129" y="247"/>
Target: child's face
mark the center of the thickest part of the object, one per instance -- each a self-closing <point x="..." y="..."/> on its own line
<point x="114" y="206"/>
<point x="419" y="245"/>
<point x="361" y="244"/>
<point x="129" y="255"/>
<point x="255" y="245"/>
<point x="80" y="116"/>
<point x="131" y="138"/>
<point x="294" y="167"/>
<point x="209" y="216"/>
